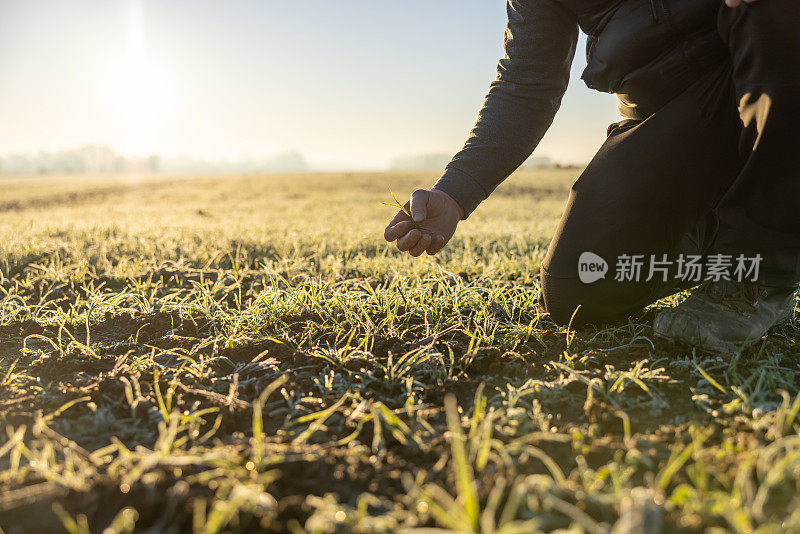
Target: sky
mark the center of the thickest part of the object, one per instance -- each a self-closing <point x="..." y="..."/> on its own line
<point x="347" y="83"/>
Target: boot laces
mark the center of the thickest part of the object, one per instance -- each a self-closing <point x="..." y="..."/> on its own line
<point x="735" y="295"/>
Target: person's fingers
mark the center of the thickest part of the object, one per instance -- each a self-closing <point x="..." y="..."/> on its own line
<point x="401" y="216"/>
<point x="732" y="3"/>
<point x="437" y="244"/>
<point x="421" y="245"/>
<point x="419" y="205"/>
<point x="409" y="240"/>
<point x="397" y="230"/>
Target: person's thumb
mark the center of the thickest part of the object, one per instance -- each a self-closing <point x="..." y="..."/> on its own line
<point x="419" y="205"/>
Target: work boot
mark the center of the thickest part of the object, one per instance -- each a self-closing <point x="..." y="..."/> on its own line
<point x="725" y="316"/>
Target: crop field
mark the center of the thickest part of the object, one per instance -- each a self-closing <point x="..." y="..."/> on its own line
<point x="246" y="354"/>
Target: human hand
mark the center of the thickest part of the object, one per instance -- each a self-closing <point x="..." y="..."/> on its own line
<point x="433" y="221"/>
<point x="737" y="3"/>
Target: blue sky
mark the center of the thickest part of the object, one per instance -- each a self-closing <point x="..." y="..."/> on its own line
<point x="349" y="83"/>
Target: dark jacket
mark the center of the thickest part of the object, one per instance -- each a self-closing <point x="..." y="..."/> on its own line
<point x="645" y="51"/>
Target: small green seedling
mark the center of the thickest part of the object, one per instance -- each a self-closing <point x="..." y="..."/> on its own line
<point x="396" y="204"/>
<point x="401" y="207"/>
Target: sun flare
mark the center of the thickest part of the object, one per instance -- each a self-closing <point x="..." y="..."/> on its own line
<point x="137" y="91"/>
<point x="136" y="86"/>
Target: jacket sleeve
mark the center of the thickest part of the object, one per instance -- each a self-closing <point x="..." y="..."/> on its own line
<point x="540" y="42"/>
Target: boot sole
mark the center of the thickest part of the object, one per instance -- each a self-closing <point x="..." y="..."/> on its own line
<point x="722" y="347"/>
<point x="726" y="347"/>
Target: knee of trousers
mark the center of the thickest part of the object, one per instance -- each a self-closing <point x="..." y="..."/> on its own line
<point x="570" y="301"/>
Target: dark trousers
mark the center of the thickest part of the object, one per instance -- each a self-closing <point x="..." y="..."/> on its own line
<point x="715" y="170"/>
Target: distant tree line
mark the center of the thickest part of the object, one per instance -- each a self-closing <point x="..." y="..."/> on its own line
<point x="89" y="159"/>
<point x="104" y="160"/>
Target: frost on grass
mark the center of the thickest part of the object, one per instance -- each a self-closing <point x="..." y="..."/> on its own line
<point x="191" y="355"/>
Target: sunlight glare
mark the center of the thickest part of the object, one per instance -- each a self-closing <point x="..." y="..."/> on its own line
<point x="137" y="87"/>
